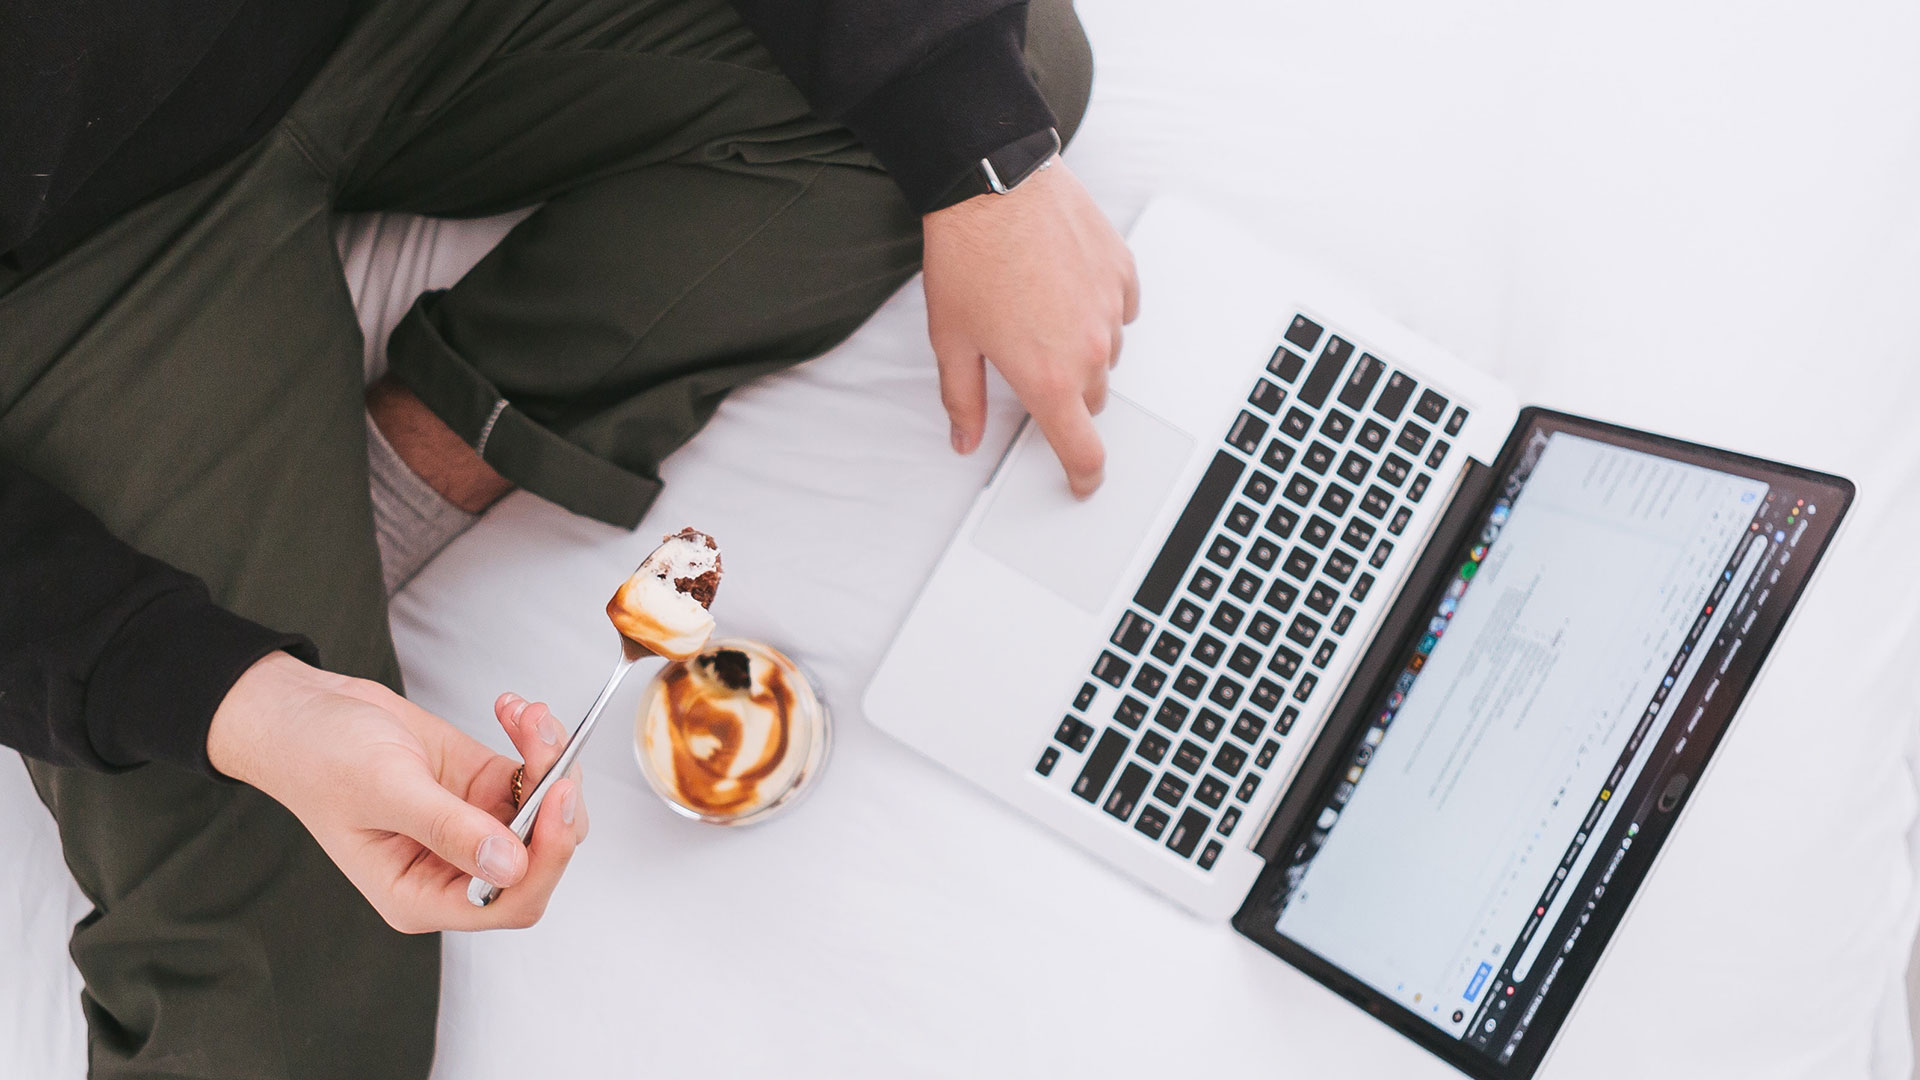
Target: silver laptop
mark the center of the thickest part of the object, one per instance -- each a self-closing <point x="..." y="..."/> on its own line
<point x="1405" y="682"/>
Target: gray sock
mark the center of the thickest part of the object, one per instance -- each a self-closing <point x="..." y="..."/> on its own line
<point x="411" y="521"/>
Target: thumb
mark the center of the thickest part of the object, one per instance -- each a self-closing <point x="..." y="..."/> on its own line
<point x="457" y="831"/>
<point x="963" y="390"/>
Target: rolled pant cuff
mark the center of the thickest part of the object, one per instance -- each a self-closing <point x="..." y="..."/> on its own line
<point x="516" y="446"/>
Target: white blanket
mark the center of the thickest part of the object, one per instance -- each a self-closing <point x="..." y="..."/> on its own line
<point x="1702" y="219"/>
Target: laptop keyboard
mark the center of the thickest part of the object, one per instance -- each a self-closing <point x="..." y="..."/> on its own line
<point x="1249" y="601"/>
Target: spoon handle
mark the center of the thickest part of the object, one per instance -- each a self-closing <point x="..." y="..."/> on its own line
<point x="481" y="892"/>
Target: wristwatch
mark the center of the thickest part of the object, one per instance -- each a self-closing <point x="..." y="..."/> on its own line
<point x="1005" y="168"/>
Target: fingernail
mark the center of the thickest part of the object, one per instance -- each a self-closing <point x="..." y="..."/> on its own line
<point x="549" y="728"/>
<point x="568" y="804"/>
<point x="495" y="860"/>
<point x="962" y="443"/>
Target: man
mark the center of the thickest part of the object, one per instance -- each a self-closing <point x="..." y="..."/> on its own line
<point x="190" y="488"/>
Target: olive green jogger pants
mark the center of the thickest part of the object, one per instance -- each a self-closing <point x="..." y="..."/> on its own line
<point x="192" y="374"/>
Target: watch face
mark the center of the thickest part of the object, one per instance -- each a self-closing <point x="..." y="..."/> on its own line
<point x="1006" y="167"/>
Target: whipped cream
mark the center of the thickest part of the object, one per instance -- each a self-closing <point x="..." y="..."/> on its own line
<point x="663" y="605"/>
<point x="730" y="732"/>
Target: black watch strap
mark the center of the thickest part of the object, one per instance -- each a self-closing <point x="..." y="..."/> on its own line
<point x="1005" y="168"/>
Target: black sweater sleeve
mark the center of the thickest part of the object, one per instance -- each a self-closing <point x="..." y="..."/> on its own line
<point x="930" y="86"/>
<point x="108" y="658"/>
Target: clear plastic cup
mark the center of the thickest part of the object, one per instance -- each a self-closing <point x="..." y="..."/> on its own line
<point x="730" y="757"/>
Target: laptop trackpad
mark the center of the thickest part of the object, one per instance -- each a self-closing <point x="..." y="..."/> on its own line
<point x="1078" y="549"/>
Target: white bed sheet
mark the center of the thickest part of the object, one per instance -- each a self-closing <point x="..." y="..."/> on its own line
<point x="1687" y="217"/>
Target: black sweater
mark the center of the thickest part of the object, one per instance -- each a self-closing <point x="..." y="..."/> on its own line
<point x="108" y="658"/>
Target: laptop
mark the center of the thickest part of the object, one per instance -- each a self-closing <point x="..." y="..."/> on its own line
<point x="1402" y="681"/>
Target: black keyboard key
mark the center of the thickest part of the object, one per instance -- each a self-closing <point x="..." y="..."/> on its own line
<point x="1455" y="422"/>
<point x="1207" y="724"/>
<point x="1394" y="469"/>
<point x="1262" y="627"/>
<point x="1190" y="682"/>
<point x="1279" y="455"/>
<point x="1376" y="502"/>
<point x="1171" y="715"/>
<point x="1227" y="617"/>
<point x="1208" y="855"/>
<point x="1266" y="397"/>
<point x="1282" y="595"/>
<point x="1149" y="680"/>
<point x="1340" y="565"/>
<point x="1048" y="759"/>
<point x="1280" y="727"/>
<point x="1359" y="385"/>
<point x="1245" y="587"/>
<point x="1394" y="397"/>
<point x="1412" y="438"/>
<point x="1248" y="728"/>
<point x="1267" y="753"/>
<point x="1211" y="792"/>
<point x="1189" y="757"/>
<point x="1208" y="650"/>
<point x="1167" y="648"/>
<point x="1325" y="372"/>
<point x="1286" y="364"/>
<point x="1299" y="563"/>
<point x="1263" y="553"/>
<point x="1342" y="621"/>
<point x="1229" y="759"/>
<point x="1132" y="632"/>
<point x="1106" y="756"/>
<point x="1073" y="733"/>
<point x="1323" y="655"/>
<point x="1353" y="468"/>
<point x="1204" y="583"/>
<point x="1373" y="435"/>
<point x="1111" y="670"/>
<point x="1245" y="660"/>
<point x="1361" y="588"/>
<point x="1322" y="597"/>
<point x="1189" y="532"/>
<point x="1260" y="487"/>
<point x="1085" y="697"/>
<point x="1336" y="425"/>
<point x="1153" y="821"/>
<point x="1430" y="407"/>
<point x="1187" y="832"/>
<point x="1222" y="552"/>
<point x="1266" y="694"/>
<point x="1170" y="790"/>
<point x="1438" y="454"/>
<point x="1381" y="554"/>
<point x="1296" y="424"/>
<point x="1285" y="662"/>
<point x="1153" y="746"/>
<point x="1303" y="630"/>
<point x="1400" y="519"/>
<point x="1319" y="458"/>
<point x="1248" y="787"/>
<point x="1282" y="521"/>
<point x="1303" y="689"/>
<point x="1225" y="692"/>
<point x="1318" y="531"/>
<point x="1246" y="432"/>
<point x="1186" y="615"/>
<point x="1336" y="499"/>
<point x="1127" y="791"/>
<point x="1358" y="535"/>
<point x="1227" y="822"/>
<point x="1242" y="518"/>
<point x="1304" y="332"/>
<point x="1418" y="487"/>
<point x="1130" y="712"/>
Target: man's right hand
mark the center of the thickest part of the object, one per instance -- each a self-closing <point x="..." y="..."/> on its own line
<point x="407" y="805"/>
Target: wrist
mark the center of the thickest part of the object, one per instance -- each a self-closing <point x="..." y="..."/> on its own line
<point x="247" y="715"/>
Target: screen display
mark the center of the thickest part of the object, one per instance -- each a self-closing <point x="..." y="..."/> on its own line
<point x="1484" y="829"/>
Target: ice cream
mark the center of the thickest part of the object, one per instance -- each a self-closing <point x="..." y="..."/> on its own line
<point x="731" y="732"/>
<point x="663" y="606"/>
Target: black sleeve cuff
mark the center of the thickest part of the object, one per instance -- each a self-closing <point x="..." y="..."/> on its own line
<point x="153" y="695"/>
<point x="970" y="98"/>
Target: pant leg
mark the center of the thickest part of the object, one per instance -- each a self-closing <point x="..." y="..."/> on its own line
<point x="192" y="375"/>
<point x="700" y="228"/>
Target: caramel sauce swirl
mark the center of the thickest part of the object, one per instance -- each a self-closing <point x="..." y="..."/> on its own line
<point x="709" y="735"/>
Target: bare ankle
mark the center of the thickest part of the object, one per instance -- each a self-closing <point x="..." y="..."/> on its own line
<point x="431" y="449"/>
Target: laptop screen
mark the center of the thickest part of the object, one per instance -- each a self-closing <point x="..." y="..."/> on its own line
<point x="1496" y="806"/>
